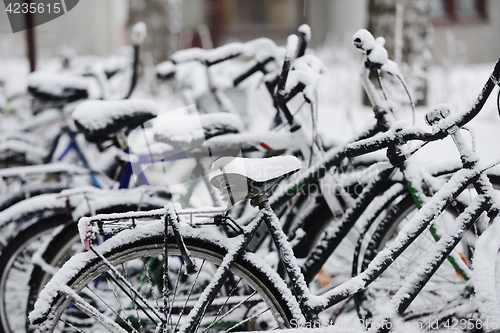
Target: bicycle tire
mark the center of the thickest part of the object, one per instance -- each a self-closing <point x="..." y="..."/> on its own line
<point x="62" y="246"/>
<point x="140" y="243"/>
<point x="15" y="270"/>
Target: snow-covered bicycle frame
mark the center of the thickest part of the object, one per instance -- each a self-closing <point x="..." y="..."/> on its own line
<point x="63" y="90"/>
<point x="310" y="305"/>
<point x="273" y="139"/>
<point x="262" y="53"/>
<point x="249" y="142"/>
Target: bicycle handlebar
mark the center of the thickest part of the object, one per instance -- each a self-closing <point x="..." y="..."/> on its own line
<point x="263" y="50"/>
<point x="292" y="43"/>
<point x="260" y="48"/>
<point x="399" y="135"/>
<point x="305" y="38"/>
<point x="138" y="33"/>
<point x="259" y="66"/>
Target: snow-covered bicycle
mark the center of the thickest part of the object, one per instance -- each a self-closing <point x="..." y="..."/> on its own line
<point x="97" y="127"/>
<point x="104" y="269"/>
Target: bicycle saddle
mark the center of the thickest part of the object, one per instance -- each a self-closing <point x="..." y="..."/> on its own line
<point x="100" y="119"/>
<point x="240" y="178"/>
<point x="190" y="131"/>
<point x="56" y="87"/>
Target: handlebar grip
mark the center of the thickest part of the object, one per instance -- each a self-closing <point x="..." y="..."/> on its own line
<point x="259" y="66"/>
<point x="138" y="33"/>
<point x="216" y="60"/>
<point x="437" y="113"/>
<point x="165" y="70"/>
<point x="291" y="49"/>
<point x="305" y="38"/>
<point x="495" y="76"/>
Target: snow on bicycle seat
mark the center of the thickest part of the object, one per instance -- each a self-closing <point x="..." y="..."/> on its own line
<point x="250" y="177"/>
<point x="58" y="87"/>
<point x="190" y="131"/>
<point x="100" y="119"/>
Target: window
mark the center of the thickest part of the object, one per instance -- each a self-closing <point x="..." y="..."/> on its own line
<point x="458" y="11"/>
<point x="270" y="13"/>
<point x="248" y="19"/>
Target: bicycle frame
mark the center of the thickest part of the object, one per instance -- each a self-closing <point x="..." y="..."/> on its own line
<point x="380" y="182"/>
<point x="311" y="305"/>
<point x="72" y="145"/>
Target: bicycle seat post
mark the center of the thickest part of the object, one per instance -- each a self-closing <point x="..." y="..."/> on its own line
<point x="259" y="201"/>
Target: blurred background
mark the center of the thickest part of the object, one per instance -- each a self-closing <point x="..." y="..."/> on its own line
<point x="418" y="33"/>
<point x="460" y="28"/>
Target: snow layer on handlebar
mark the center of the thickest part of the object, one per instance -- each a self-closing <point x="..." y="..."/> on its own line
<point x="306" y="30"/>
<point x="292" y="43"/>
<point x="306" y="70"/>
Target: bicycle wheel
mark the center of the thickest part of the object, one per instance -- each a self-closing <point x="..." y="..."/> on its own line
<point x="15" y="270"/>
<point x="249" y="297"/>
<point x="62" y="246"/>
<point x="446" y="297"/>
<point x="487" y="277"/>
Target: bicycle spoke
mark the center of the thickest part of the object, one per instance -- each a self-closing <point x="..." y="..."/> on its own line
<point x="248" y="319"/>
<point x="69" y="324"/>
<point x="134" y="304"/>
<point x="151" y="292"/>
<point x="111" y="308"/>
<point x="188" y="296"/>
<point x="169" y="316"/>
<point x="128" y="288"/>
<point x="225" y="303"/>
<point x="228" y="312"/>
